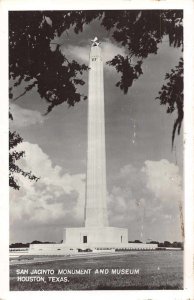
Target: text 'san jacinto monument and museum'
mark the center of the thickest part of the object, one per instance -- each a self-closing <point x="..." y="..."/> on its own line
<point x="96" y="233"/>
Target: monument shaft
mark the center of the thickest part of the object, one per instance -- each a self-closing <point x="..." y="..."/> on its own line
<point x="96" y="204"/>
<point x="96" y="233"/>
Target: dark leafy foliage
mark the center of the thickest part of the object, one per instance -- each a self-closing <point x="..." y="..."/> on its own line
<point x="32" y="32"/>
<point x="14" y="155"/>
<point x="33" y="62"/>
<point x="129" y="72"/>
<point x="142" y="32"/>
<point x="171" y="94"/>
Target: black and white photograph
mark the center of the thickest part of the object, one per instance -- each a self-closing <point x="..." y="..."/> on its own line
<point x="96" y="149"/>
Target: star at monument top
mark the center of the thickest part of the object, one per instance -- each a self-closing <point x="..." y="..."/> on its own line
<point x="95" y="42"/>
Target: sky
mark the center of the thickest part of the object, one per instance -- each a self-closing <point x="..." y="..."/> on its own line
<point x="144" y="175"/>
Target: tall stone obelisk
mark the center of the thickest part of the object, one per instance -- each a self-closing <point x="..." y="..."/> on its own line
<point x="96" y="233"/>
<point x="96" y="203"/>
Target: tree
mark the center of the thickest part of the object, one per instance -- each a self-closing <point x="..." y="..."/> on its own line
<point x="167" y="244"/>
<point x="34" y="64"/>
<point x="31" y="62"/>
<point x="19" y="245"/>
<point x="142" y="32"/>
<point x="171" y="94"/>
<point x="14" y="155"/>
<point x="56" y="78"/>
<point x="153" y="242"/>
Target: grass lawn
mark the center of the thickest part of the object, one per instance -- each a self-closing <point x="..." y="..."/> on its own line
<point x="157" y="270"/>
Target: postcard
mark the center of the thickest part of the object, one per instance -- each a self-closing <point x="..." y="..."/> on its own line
<point x="100" y="150"/>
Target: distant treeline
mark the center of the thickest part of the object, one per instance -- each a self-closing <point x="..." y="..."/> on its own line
<point x="26" y="245"/>
<point x="165" y="244"/>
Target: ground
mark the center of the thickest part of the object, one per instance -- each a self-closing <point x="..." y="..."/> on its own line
<point x="157" y="270"/>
